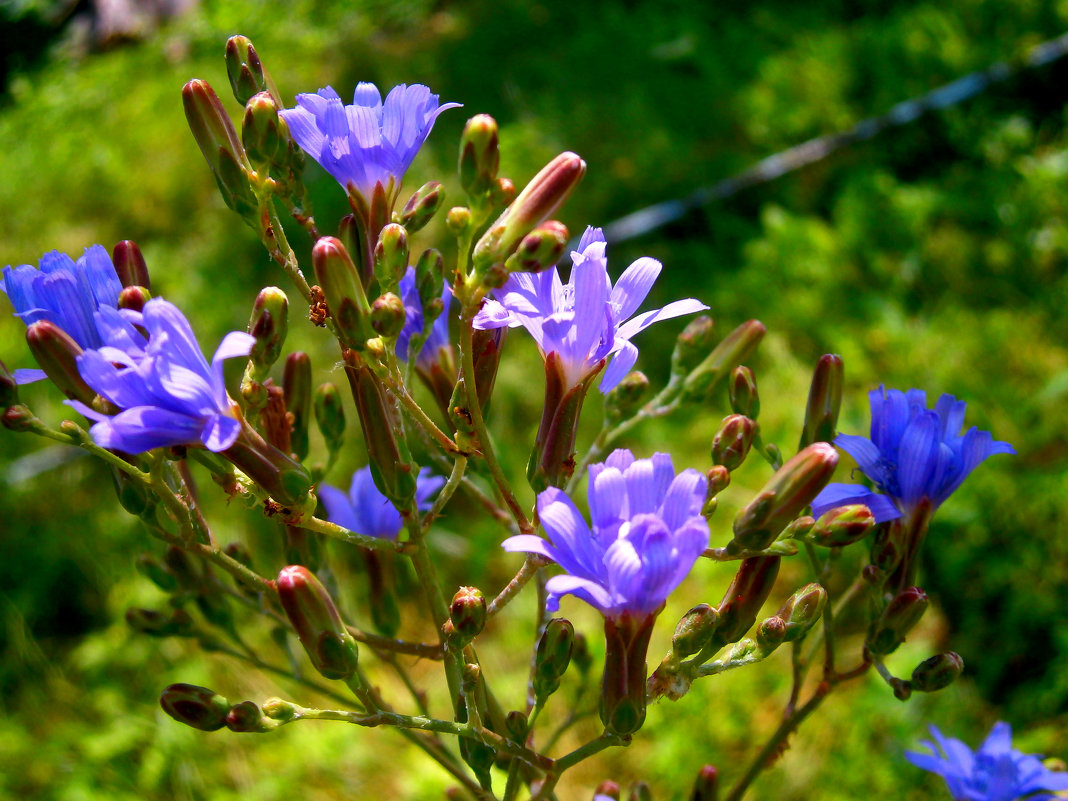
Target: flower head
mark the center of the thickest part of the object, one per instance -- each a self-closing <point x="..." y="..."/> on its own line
<point x="995" y="772"/>
<point x="914" y="454"/>
<point x="414" y="321"/>
<point x="367" y="511"/>
<point x="167" y="392"/>
<point x="647" y="533"/>
<point x="369" y="142"/>
<point x="585" y="321"/>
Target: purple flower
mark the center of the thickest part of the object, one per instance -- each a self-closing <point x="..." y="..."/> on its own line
<point x="414" y="320"/>
<point x="369" y="142"/>
<point x="167" y="392"/>
<point x="63" y="292"/>
<point x="996" y="772"/>
<point x="914" y="454"/>
<point x="647" y="533"/>
<point x="585" y="321"/>
<point x="367" y="511"/>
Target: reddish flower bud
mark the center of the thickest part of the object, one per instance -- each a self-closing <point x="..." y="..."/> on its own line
<point x="744" y="397"/>
<point x="824" y="401"/>
<point x="130" y="264"/>
<point x="315" y="619"/>
<point x="900" y="615"/>
<point x="731" y="443"/>
<point x="195" y="706"/>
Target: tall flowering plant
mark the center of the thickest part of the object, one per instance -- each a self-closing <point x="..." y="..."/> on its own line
<point x="163" y="416"/>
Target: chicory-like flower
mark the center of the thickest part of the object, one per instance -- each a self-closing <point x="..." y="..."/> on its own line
<point x="994" y="772"/>
<point x="914" y="455"/>
<point x="167" y="391"/>
<point x="369" y="142"/>
<point x="367" y="511"/>
<point x="586" y="321"/>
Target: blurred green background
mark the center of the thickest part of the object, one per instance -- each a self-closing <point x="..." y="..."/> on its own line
<point x="931" y="256"/>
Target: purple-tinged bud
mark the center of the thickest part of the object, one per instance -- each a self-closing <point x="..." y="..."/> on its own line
<point x="824" y="401"/>
<point x="195" y="706"/>
<point x="159" y="624"/>
<point x="627" y="397"/>
<point x="706" y="786"/>
<point x="340" y="281"/>
<point x="151" y="568"/>
<point x="246" y="72"/>
<point x="608" y="789"/>
<point x="900" y="615"/>
<point x="247" y="717"/>
<point x="458" y="219"/>
<point x="486" y="345"/>
<point x="552" y="459"/>
<point x="296" y="388"/>
<point x="731" y="443"/>
<point x="887" y="548"/>
<point x="56" y="353"/>
<point x="798" y="529"/>
<point x="790" y="490"/>
<point x="348" y="231"/>
<point x="422" y="206"/>
<point x="480" y="155"/>
<point x="330" y="416"/>
<point x="694" y="631"/>
<point x="623" y="683"/>
<point x="536" y="203"/>
<point x="391" y="255"/>
<point x="553" y="657"/>
<point x="264" y="134"/>
<point x="503" y="193"/>
<point x="269" y="325"/>
<point x="841" y="526"/>
<point x="801" y="610"/>
<point x="640" y="791"/>
<point x="429" y="277"/>
<point x="517" y="726"/>
<point x="770" y="634"/>
<point x="277" y="709"/>
<point x="318" y="625"/>
<point x="719" y="478"/>
<point x="130" y="264"/>
<point x="18" y="417"/>
<point x="9" y="390"/>
<point x="732" y="350"/>
<point x="134" y="298"/>
<point x="692" y="345"/>
<point x="387" y="315"/>
<point x="540" y="249"/>
<point x="744" y="397"/>
<point x="284" y="479"/>
<point x="937" y="672"/>
<point x="742" y="601"/>
<point x="218" y="141"/>
<point x="467" y="616"/>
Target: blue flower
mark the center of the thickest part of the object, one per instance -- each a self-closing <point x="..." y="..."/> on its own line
<point x="63" y="292"/>
<point x="647" y="533"/>
<point x="414" y="320"/>
<point x="914" y="454"/>
<point x="367" y="511"/>
<point x="369" y="142"/>
<point x="585" y="321"/>
<point x="167" y="392"/>
<point x="996" y="772"/>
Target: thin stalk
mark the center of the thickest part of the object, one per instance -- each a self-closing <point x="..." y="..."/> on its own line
<point x="530" y="567"/>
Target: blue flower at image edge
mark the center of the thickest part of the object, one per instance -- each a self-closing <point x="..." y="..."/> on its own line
<point x="995" y="772"/>
<point x="647" y="533"/>
<point x="414" y="319"/>
<point x="914" y="454"/>
<point x="367" y="511"/>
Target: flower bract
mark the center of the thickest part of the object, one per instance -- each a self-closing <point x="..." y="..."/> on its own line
<point x="367" y="511"/>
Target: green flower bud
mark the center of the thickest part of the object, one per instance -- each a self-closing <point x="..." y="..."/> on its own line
<point x="348" y="231"/>
<point x="694" y="631"/>
<point x="706" y="786"/>
<point x="540" y="249"/>
<point x="742" y="601"/>
<point x="627" y="396"/>
<point x="733" y="349"/>
<point x="553" y="657"/>
<point x="486" y="345"/>
<point x="801" y="610"/>
<point x="824" y="401"/>
<point x="503" y="193"/>
<point x="286" y="480"/>
<point x="195" y="706"/>
<point x="692" y="345"/>
<point x="731" y="443"/>
<point x="134" y="298"/>
<point x="937" y="672"/>
<point x="56" y="353"/>
<point x="330" y="416"/>
<point x="458" y="219"/>
<point x="480" y="155"/>
<point x="277" y="709"/>
<point x="429" y="277"/>
<point x="770" y="634"/>
<point x="900" y="615"/>
<point x="745" y="399"/>
<point x="841" y="526"/>
<point x="719" y="478"/>
<point x="218" y="141"/>
<point x="246" y="72"/>
<point x="264" y="134"/>
<point x="247" y="717"/>
<point x="790" y="490"/>
<point x="318" y="625"/>
<point x="517" y="726"/>
<point x="296" y="388"/>
<point x="422" y="206"/>
<point x="151" y="568"/>
<point x="387" y="315"/>
<point x="391" y="255"/>
<point x="467" y="616"/>
<point x="9" y="390"/>
<point x="130" y="264"/>
<point x="340" y="281"/>
<point x="269" y="325"/>
<point x="887" y="547"/>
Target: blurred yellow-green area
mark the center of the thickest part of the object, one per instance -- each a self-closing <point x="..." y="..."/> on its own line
<point x="932" y="255"/>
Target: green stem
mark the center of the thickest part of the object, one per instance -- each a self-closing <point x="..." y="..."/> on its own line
<point x="455" y="478"/>
<point x="530" y="567"/>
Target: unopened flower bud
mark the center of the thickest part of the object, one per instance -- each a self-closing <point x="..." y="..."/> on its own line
<point x="503" y="193"/>
<point x="18" y="417"/>
<point x="195" y="706"/>
<point x="340" y="281"/>
<point x="731" y="443"/>
<point x="218" y="141"/>
<point x="264" y="134"/>
<point x="900" y="615"/>
<point x="824" y="401"/>
<point x="348" y="232"/>
<point x="318" y="625"/>
<point x="841" y="526"/>
<point x="608" y="789"/>
<point x="694" y="630"/>
<point x="706" y="786"/>
<point x="458" y="219"/>
<point x="692" y="345"/>
<point x="623" y="683"/>
<point x="422" y="206"/>
<point x="539" y="199"/>
<point x="732" y="350"/>
<point x="246" y="716"/>
<point x="268" y="325"/>
<point x="330" y="416"/>
<point x="56" y="353"/>
<point x="429" y="276"/>
<point x="887" y="548"/>
<point x="937" y="672"/>
<point x="553" y="656"/>
<point x="151" y="568"/>
<point x="627" y="396"/>
<point x="801" y="610"/>
<point x="159" y="624"/>
<point x="467" y="613"/>
<point x="130" y="264"/>
<point x="744" y="397"/>
<point x="387" y="315"/>
<point x="790" y="490"/>
<point x="517" y="726"/>
<point x="719" y="478"/>
<point x="480" y="155"/>
<point x="540" y="249"/>
<point x="771" y="633"/>
<point x="746" y="594"/>
<point x="277" y="709"/>
<point x="391" y="255"/>
<point x="296" y="389"/>
<point x="133" y="298"/>
<point x="640" y="791"/>
<point x="246" y="72"/>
